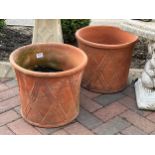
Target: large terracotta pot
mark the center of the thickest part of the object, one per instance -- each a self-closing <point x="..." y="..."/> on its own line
<point x="49" y="99"/>
<point x="109" y="51"/>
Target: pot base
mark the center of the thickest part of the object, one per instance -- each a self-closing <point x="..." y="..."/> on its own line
<point x="49" y="125"/>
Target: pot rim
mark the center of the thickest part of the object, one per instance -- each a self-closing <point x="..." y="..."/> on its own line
<point x="107" y="46"/>
<point x="49" y="74"/>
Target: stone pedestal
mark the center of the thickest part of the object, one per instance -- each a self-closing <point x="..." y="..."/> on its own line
<point x="47" y="30"/>
<point x="145" y="86"/>
<point x="145" y="97"/>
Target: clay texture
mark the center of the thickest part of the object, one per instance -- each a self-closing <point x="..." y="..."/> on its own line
<point x="49" y="99"/>
<point x="109" y="51"/>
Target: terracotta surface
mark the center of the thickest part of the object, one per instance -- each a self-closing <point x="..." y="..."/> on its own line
<point x="109" y="51"/>
<point x="49" y="99"/>
<point x="100" y="114"/>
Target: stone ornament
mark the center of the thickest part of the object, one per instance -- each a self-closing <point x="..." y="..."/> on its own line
<point x="145" y="86"/>
<point x="148" y="75"/>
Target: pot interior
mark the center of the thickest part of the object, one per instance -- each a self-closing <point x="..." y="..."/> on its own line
<point x="106" y="35"/>
<point x="49" y="58"/>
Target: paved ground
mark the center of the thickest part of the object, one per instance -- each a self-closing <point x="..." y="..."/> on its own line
<point x="99" y="114"/>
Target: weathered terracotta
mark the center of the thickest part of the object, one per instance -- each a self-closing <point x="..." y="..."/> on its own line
<point x="109" y="50"/>
<point x="49" y="99"/>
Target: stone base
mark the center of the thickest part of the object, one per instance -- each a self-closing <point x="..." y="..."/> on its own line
<point x="145" y="97"/>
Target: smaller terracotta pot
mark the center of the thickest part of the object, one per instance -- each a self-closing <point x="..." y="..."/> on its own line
<point x="109" y="50"/>
<point x="49" y="99"/>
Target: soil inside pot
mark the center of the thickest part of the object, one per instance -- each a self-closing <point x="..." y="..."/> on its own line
<point x="45" y="68"/>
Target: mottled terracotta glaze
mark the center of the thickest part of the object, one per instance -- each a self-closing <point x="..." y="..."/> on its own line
<point x="49" y="99"/>
<point x="109" y="51"/>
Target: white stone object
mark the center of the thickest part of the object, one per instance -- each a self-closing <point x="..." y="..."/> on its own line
<point x="140" y="28"/>
<point x="145" y="97"/>
<point x="47" y="30"/>
<point x="145" y="86"/>
<point x="148" y="75"/>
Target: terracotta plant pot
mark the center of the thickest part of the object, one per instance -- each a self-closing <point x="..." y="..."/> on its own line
<point x="109" y="50"/>
<point x="49" y="99"/>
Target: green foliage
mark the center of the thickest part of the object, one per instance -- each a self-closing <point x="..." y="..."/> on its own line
<point x="2" y="23"/>
<point x="70" y="26"/>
